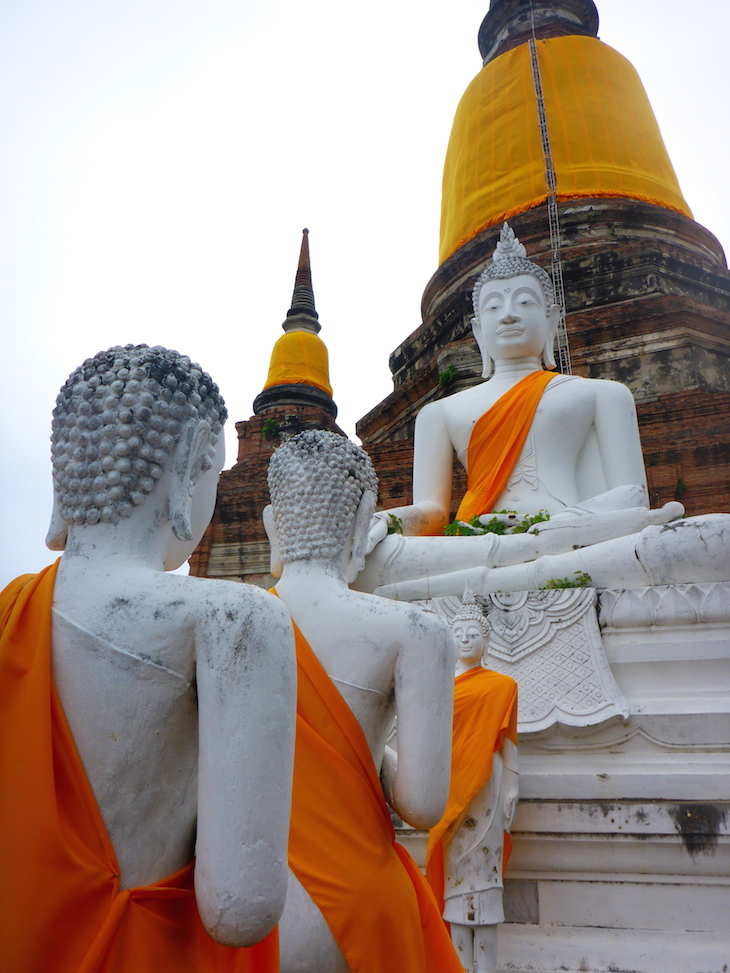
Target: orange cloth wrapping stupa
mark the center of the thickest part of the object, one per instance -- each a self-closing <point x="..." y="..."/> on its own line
<point x="604" y="138"/>
<point x="342" y="845"/>
<point x="485" y="713"/>
<point x="62" y="907"/>
<point x="496" y="443"/>
<point x="300" y="358"/>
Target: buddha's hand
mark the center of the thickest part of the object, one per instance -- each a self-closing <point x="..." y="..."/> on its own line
<point x="379" y="528"/>
<point x="592" y="528"/>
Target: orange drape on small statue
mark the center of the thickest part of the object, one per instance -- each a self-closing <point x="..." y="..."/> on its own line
<point x="496" y="443"/>
<point x="485" y="712"/>
<point x="62" y="907"/>
<point x="342" y="845"/>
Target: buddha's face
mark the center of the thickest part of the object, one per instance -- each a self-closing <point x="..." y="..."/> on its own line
<point x="469" y="642"/>
<point x="203" y="492"/>
<point x="513" y="320"/>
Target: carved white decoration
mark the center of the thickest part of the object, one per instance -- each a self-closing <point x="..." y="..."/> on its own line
<point x="665" y="605"/>
<point x="549" y="642"/>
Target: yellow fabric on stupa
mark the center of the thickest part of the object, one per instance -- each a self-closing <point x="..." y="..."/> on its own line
<point x="604" y="138"/>
<point x="300" y="358"/>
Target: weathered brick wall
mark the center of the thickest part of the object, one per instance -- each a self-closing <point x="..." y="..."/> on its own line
<point x="235" y="544"/>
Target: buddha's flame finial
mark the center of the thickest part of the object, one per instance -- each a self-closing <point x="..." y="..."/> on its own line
<point x="508" y="245"/>
<point x="471" y="610"/>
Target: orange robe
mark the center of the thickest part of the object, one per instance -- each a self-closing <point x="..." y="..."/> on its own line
<point x="342" y="847"/>
<point x="62" y="907"/>
<point x="496" y="443"/>
<point x="485" y="712"/>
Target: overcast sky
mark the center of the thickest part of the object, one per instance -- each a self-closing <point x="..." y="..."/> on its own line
<point x="160" y="158"/>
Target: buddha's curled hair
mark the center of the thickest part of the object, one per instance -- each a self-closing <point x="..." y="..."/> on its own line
<point x="510" y="260"/>
<point x="316" y="482"/>
<point x="116" y="421"/>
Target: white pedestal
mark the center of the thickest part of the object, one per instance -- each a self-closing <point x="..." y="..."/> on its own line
<point x="621" y="858"/>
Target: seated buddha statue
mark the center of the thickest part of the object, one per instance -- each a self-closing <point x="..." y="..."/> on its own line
<point x="532" y="440"/>
<point x="469" y="847"/>
<point x="356" y="900"/>
<point x="143" y="824"/>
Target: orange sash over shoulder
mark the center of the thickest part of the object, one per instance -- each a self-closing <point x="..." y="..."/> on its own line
<point x="485" y="712"/>
<point x="342" y="845"/>
<point x="62" y="908"/>
<point x="496" y="443"/>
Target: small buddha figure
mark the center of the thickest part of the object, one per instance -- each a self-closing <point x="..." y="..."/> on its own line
<point x="533" y="440"/>
<point x="469" y="847"/>
<point x="135" y="701"/>
<point x="356" y="900"/>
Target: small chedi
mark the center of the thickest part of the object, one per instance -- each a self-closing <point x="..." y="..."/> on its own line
<point x="468" y="849"/>
<point x="534" y="440"/>
<point x="134" y="702"/>
<point x="355" y="901"/>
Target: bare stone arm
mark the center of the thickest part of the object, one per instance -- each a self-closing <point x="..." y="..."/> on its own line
<point x="424" y="706"/>
<point x="432" y="467"/>
<point x="246" y="692"/>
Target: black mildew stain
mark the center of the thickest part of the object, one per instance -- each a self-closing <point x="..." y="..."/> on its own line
<point x="698" y="825"/>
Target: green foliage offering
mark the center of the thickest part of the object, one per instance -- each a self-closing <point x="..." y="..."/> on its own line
<point x="270" y="429"/>
<point x="582" y="580"/>
<point x="396" y="524"/>
<point x="474" y="527"/>
<point x="460" y="528"/>
<point x="447" y="376"/>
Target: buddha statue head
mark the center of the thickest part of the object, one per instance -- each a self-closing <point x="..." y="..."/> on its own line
<point x="323" y="493"/>
<point x="470" y="631"/>
<point x="121" y="420"/>
<point x="515" y="314"/>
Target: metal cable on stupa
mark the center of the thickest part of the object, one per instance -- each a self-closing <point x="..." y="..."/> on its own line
<point x="562" y="349"/>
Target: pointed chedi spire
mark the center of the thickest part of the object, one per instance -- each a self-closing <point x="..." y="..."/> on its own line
<point x="302" y="315"/>
<point x="299" y="368"/>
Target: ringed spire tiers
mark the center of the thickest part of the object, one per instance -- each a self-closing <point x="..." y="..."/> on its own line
<point x="299" y="367"/>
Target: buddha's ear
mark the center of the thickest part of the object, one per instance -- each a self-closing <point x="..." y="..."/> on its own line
<point x="276" y="565"/>
<point x="58" y="530"/>
<point x="487" y="363"/>
<point x="360" y="533"/>
<point x="186" y="464"/>
<point x="548" y="352"/>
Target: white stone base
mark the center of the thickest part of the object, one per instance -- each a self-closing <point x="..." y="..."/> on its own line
<point x="605" y="887"/>
<point x="621" y="857"/>
<point x="595" y="950"/>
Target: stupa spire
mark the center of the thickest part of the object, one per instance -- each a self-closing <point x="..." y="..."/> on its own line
<point x="299" y="367"/>
<point x="302" y="315"/>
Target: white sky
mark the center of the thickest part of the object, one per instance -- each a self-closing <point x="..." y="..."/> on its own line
<point x="159" y="159"/>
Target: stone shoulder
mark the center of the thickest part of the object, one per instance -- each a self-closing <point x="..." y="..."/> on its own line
<point x="400" y="619"/>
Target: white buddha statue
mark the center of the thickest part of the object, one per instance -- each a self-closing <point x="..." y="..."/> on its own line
<point x="355" y="899"/>
<point x="533" y="440"/>
<point x="179" y="692"/>
<point x="468" y="849"/>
